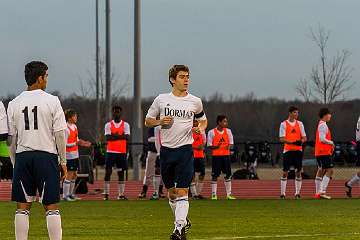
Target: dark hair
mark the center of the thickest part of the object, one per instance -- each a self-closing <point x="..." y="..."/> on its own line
<point x="175" y="69"/>
<point x="34" y="70"/>
<point x="293" y="109"/>
<point x="69" y="113"/>
<point x="116" y="107"/>
<point x="219" y="118"/>
<point x="323" y="112"/>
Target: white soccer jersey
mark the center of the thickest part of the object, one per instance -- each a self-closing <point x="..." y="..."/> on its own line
<point x="3" y="119"/>
<point x="34" y="116"/>
<point x="211" y="135"/>
<point x="182" y="110"/>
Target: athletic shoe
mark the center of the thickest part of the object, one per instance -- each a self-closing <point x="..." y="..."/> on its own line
<point x="214" y="197"/>
<point x="200" y="197"/>
<point x="317" y="196"/>
<point x="106" y="197"/>
<point x="188" y="225"/>
<point x="282" y="197"/>
<point x="324" y="196"/>
<point x="349" y="189"/>
<point x="122" y="197"/>
<point x="195" y="197"/>
<point x="176" y="235"/>
<point x="297" y="196"/>
<point x="230" y="197"/>
<point x="69" y="199"/>
<point x="73" y="196"/>
<point x="142" y="195"/>
<point x="155" y="196"/>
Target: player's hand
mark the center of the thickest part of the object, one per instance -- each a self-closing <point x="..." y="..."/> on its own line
<point x="196" y="130"/>
<point x="166" y="121"/>
<point x="87" y="144"/>
<point x="298" y="143"/>
<point x="63" y="172"/>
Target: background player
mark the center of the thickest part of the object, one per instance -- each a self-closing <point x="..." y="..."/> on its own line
<point x="37" y="134"/>
<point x="177" y="111"/>
<point x="72" y="154"/>
<point x="220" y="140"/>
<point x="292" y="134"/>
<point x="117" y="133"/>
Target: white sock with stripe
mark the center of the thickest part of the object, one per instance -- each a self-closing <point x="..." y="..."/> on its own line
<point x="107" y="187"/>
<point x="228" y="187"/>
<point x="283" y="182"/>
<point x="156" y="183"/>
<point x="193" y="189"/>
<point x="72" y="187"/>
<point x="317" y="184"/>
<point x="21" y="224"/>
<point x="121" y="188"/>
<point x="199" y="187"/>
<point x="213" y="188"/>
<point x="355" y="179"/>
<point x="66" y="188"/>
<point x="298" y="183"/>
<point x="181" y="212"/>
<point x="324" y="184"/>
<point x="53" y="222"/>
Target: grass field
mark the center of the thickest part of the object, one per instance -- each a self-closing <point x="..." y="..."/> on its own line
<point x="240" y="219"/>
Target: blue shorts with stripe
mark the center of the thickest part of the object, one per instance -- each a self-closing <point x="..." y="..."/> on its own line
<point x="177" y="166"/>
<point x="36" y="171"/>
<point x="116" y="159"/>
<point x="72" y="164"/>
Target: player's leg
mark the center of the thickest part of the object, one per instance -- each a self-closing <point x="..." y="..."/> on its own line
<point x="73" y="180"/>
<point x="23" y="192"/>
<point x="184" y="172"/>
<point x="121" y="165"/>
<point x="215" y="173"/>
<point x="193" y="181"/>
<point x="108" y="171"/>
<point x="226" y="169"/>
<point x="69" y="182"/>
<point x="328" y="166"/>
<point x="156" y="180"/>
<point x="349" y="184"/>
<point x="149" y="174"/>
<point x="298" y="170"/>
<point x="167" y="169"/>
<point x="318" y="177"/>
<point x="283" y="180"/>
<point x="200" y="182"/>
<point x="47" y="184"/>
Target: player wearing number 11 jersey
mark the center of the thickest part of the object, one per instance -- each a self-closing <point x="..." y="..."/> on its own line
<point x="37" y="133"/>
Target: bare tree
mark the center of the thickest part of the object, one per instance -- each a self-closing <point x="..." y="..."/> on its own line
<point x="330" y="79"/>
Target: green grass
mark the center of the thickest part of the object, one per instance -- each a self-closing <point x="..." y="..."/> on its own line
<point x="338" y="219"/>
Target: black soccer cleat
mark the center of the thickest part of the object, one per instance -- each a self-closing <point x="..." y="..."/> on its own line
<point x="187" y="226"/>
<point x="176" y="235"/>
<point x="282" y="197"/>
<point x="122" y="197"/>
<point x="297" y="196"/>
<point x="106" y="197"/>
<point x="349" y="190"/>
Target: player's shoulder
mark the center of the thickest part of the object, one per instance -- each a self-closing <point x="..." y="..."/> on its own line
<point x="300" y="122"/>
<point x="126" y="123"/>
<point x="194" y="98"/>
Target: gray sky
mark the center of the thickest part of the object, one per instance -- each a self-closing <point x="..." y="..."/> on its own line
<point x="232" y="46"/>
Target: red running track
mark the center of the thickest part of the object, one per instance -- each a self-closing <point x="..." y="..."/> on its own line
<point x="243" y="189"/>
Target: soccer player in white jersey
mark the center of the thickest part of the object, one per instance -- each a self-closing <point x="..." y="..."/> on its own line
<point x="292" y="134"/>
<point x="177" y="111"/>
<point x="356" y="178"/>
<point x="37" y="133"/>
<point x="72" y="154"/>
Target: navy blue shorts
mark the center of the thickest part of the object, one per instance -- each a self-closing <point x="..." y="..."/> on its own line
<point x="221" y="164"/>
<point x="324" y="162"/>
<point x="199" y="166"/>
<point x="116" y="159"/>
<point x="177" y="166"/>
<point x="72" y="164"/>
<point x="36" y="171"/>
<point x="292" y="159"/>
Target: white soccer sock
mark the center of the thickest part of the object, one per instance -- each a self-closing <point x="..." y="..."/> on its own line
<point x="355" y="179"/>
<point x="181" y="212"/>
<point x="298" y="182"/>
<point x="172" y="204"/>
<point x="121" y="188"/>
<point x="283" y="182"/>
<point x="106" y="187"/>
<point x="53" y="221"/>
<point x="199" y="187"/>
<point x="193" y="189"/>
<point x="72" y="187"/>
<point x="228" y="187"/>
<point x="66" y="188"/>
<point x="213" y="188"/>
<point x="156" y="183"/>
<point x="21" y="224"/>
<point x="317" y="184"/>
<point x="324" y="184"/>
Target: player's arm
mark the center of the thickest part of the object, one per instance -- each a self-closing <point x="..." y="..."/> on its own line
<point x="152" y="117"/>
<point x="303" y="133"/>
<point x="84" y="143"/>
<point x="322" y="135"/>
<point x="210" y="140"/>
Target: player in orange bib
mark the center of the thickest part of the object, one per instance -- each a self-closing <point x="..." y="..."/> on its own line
<point x="72" y="154"/>
<point x="292" y="134"/>
<point x="324" y="147"/>
<point x="117" y="132"/>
